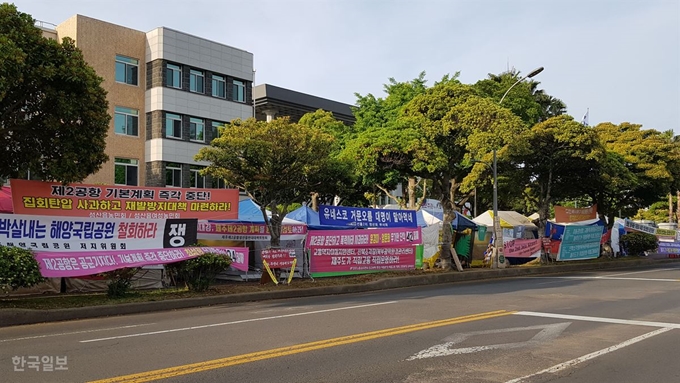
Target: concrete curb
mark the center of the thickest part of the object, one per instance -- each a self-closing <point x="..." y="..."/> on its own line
<point x="15" y="317"/>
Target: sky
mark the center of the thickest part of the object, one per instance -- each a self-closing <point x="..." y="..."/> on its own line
<point x="618" y="60"/>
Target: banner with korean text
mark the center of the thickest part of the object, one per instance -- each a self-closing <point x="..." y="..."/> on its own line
<point x="125" y="202"/>
<point x="74" y="234"/>
<point x="671" y="249"/>
<point x="235" y="231"/>
<point x="341" y="252"/>
<point x="77" y="264"/>
<point x="364" y="217"/>
<point x="574" y="214"/>
<point x="278" y="258"/>
<point x="580" y="242"/>
<point x="522" y="248"/>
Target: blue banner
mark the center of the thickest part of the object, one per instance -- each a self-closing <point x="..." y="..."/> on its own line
<point x="580" y="242"/>
<point x="364" y="217"/>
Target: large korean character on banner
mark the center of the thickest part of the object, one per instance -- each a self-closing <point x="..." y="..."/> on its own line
<point x="180" y="232"/>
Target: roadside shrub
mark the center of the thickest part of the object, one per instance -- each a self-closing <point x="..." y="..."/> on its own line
<point x="200" y="272"/>
<point x="119" y="281"/>
<point x="18" y="268"/>
<point x="638" y="243"/>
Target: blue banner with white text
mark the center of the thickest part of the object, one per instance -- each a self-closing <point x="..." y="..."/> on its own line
<point x="365" y="217"/>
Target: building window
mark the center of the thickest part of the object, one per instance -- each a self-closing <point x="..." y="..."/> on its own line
<point x="196" y="129"/>
<point x="214" y="129"/>
<point x="197" y="180"/>
<point x="239" y="90"/>
<point x="126" y="171"/>
<point x="174" y="76"/>
<point x="126" y="121"/>
<point x="219" y="184"/>
<point x="196" y="81"/>
<point x="173" y="175"/>
<point x="219" y="87"/>
<point x="127" y="70"/>
<point x="173" y="125"/>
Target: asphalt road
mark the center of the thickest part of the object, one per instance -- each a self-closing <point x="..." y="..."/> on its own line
<point x="621" y="326"/>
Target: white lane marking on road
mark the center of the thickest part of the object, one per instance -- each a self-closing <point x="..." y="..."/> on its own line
<point x="573" y="362"/>
<point x="599" y="319"/>
<point x="548" y="332"/>
<point x="236" y="322"/>
<point x="641" y="272"/>
<point x="74" y="332"/>
<point x="618" y="279"/>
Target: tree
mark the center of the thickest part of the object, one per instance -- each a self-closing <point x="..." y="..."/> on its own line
<point x="53" y="110"/>
<point x="528" y="102"/>
<point x="18" y="268"/>
<point x="554" y="158"/>
<point x="325" y="122"/>
<point x="643" y="167"/>
<point x="381" y="148"/>
<point x="451" y="126"/>
<point x="276" y="163"/>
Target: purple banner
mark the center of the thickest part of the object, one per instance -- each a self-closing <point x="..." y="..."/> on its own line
<point x="57" y="265"/>
<point x="669" y="247"/>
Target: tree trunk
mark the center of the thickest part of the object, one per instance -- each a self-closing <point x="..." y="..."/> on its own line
<point x="677" y="210"/>
<point x="448" y="253"/>
<point x="315" y="201"/>
<point x="670" y="207"/>
<point x="412" y="193"/>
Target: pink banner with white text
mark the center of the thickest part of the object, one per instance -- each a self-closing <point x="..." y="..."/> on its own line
<point x="365" y="237"/>
<point x="57" y="265"/>
<point x="522" y="248"/>
<point x="364" y="258"/>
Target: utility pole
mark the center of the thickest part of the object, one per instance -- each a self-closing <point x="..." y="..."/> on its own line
<point x="670" y="207"/>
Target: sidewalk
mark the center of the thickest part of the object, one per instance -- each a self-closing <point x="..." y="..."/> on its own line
<point x="14" y="317"/>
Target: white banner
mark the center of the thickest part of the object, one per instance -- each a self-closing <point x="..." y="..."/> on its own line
<point x="76" y="234"/>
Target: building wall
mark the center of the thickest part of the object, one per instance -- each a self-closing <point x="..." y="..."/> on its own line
<point x="166" y="46"/>
<point x="100" y="42"/>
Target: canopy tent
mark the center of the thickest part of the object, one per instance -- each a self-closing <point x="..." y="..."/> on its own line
<point x="6" y="200"/>
<point x="249" y="212"/>
<point x="509" y="220"/>
<point x="311" y="218"/>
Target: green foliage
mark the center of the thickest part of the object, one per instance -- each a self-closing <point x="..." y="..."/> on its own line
<point x="53" y="111"/>
<point x="276" y="163"/>
<point x="525" y="100"/>
<point x="657" y="212"/>
<point x="119" y="281"/>
<point x="18" y="268"/>
<point x="637" y="243"/>
<point x="641" y="168"/>
<point x="200" y="272"/>
<point x="554" y="159"/>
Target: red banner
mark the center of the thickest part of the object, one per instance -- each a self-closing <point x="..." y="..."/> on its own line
<point x="126" y="202"/>
<point x="344" y="259"/>
<point x="278" y="258"/>
<point x="571" y="214"/>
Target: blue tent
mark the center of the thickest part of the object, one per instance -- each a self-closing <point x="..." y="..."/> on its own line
<point x="555" y="230"/>
<point x="311" y="218"/>
<point x="249" y="212"/>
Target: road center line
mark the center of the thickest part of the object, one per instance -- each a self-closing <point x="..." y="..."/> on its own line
<point x="236" y="322"/>
<point x="573" y="362"/>
<point x="641" y="272"/>
<point x="617" y="278"/>
<point x="74" y="332"/>
<point x="599" y="319"/>
<point x="295" y="349"/>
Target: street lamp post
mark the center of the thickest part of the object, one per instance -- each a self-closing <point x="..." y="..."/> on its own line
<point x="497" y="257"/>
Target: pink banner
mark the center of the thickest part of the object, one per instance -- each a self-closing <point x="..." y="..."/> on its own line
<point x="57" y="265"/>
<point x="278" y="258"/>
<point x="342" y="259"/>
<point x="522" y="248"/>
<point x="236" y="231"/>
<point x="365" y="237"/>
